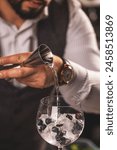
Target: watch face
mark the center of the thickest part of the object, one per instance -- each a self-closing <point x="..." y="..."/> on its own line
<point x="67" y="74"/>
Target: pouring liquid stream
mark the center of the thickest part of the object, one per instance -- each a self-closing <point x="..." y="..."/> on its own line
<point x="56" y="85"/>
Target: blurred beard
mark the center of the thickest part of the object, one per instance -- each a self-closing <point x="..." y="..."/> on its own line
<point x="31" y="14"/>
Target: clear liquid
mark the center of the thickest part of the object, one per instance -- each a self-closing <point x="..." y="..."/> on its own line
<point x="56" y="85"/>
<point x="61" y="132"/>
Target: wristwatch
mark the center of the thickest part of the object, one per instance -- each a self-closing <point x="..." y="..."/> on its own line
<point x="66" y="74"/>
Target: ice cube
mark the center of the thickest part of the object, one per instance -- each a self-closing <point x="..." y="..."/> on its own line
<point x="77" y="128"/>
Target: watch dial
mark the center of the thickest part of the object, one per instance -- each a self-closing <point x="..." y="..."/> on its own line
<point x="67" y="75"/>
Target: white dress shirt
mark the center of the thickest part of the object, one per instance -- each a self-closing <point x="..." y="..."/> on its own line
<point x="81" y="48"/>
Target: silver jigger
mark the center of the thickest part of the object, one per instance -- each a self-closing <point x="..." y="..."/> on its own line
<point x="42" y="55"/>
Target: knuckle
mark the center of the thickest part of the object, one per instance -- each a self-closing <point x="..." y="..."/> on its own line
<point x="1" y="75"/>
<point x="1" y="61"/>
<point x="20" y="58"/>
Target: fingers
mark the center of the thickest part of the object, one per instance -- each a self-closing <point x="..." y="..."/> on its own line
<point x="30" y="80"/>
<point x="37" y="79"/>
<point x="16" y="72"/>
<point x="33" y="77"/>
<point x="14" y="59"/>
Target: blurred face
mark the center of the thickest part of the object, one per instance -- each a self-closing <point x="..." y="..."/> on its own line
<point x="28" y="9"/>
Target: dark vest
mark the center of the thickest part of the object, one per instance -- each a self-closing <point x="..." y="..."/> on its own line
<point x="18" y="107"/>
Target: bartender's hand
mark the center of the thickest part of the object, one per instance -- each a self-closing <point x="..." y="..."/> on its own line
<point x="39" y="77"/>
